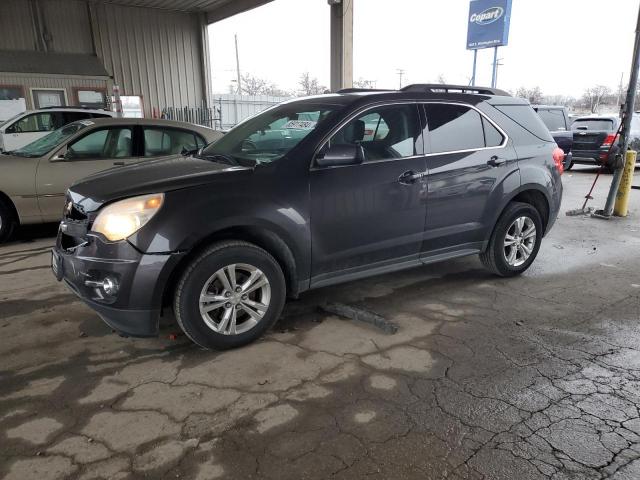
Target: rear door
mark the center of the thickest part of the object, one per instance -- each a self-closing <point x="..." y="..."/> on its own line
<point x="370" y="215"/>
<point x="468" y="159"/>
<point x="96" y="150"/>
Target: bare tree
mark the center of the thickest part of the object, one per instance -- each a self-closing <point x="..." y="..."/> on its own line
<point x="563" y="100"/>
<point x="595" y="96"/>
<point x="310" y="85"/>
<point x="534" y="95"/>
<point x="252" y="85"/>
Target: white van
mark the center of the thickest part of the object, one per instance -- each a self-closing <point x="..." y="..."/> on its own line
<point x="31" y="125"/>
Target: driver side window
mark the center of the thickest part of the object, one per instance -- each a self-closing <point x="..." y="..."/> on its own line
<point x="384" y="133"/>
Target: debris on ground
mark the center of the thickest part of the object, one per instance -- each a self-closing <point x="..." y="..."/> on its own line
<point x="361" y="315"/>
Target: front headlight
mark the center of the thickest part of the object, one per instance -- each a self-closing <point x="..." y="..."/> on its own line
<point x="122" y="219"/>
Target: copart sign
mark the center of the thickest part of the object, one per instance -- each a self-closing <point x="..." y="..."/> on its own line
<point x="488" y="23"/>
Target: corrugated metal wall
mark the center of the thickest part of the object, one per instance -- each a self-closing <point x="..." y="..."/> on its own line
<point x="16" y="26"/>
<point x="67" y="21"/>
<point x="152" y="53"/>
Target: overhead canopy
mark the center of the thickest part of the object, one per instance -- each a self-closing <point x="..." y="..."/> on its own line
<point x="213" y="9"/>
<point x="18" y="61"/>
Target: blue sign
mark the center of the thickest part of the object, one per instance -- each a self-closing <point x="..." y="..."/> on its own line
<point x="488" y="23"/>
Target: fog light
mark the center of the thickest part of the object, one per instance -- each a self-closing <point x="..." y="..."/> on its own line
<point x="110" y="286"/>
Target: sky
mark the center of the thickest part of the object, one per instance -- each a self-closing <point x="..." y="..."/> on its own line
<point x="562" y="46"/>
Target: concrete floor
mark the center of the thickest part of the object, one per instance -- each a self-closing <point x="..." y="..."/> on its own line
<point x="525" y="378"/>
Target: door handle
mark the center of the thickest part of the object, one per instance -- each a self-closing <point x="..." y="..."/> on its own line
<point x="119" y="163"/>
<point x="409" y="177"/>
<point x="496" y="161"/>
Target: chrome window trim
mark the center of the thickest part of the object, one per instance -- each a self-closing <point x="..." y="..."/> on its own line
<point x="505" y="137"/>
<point x="327" y="137"/>
<point x="354" y="115"/>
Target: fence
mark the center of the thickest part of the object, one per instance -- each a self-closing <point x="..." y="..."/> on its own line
<point x="232" y="109"/>
<point x="227" y="110"/>
<point x="197" y="115"/>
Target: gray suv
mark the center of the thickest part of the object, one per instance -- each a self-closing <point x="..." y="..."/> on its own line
<point x="310" y="193"/>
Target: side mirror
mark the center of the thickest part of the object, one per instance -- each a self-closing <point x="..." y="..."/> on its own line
<point x="61" y="155"/>
<point x="341" y="155"/>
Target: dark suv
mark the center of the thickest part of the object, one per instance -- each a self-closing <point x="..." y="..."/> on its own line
<point x="557" y="121"/>
<point x="309" y="193"/>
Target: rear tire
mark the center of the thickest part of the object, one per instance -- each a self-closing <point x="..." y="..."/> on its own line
<point x="7" y="222"/>
<point x="515" y="240"/>
<point x="229" y="295"/>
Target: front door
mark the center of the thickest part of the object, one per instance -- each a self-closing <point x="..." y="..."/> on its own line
<point x="371" y="215"/>
<point x="468" y="160"/>
<point x="98" y="150"/>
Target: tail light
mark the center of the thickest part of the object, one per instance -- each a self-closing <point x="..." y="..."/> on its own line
<point x="612" y="137"/>
<point x="558" y="159"/>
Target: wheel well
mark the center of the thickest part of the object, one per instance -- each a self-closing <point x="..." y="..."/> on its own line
<point x="5" y="200"/>
<point x="538" y="201"/>
<point x="260" y="237"/>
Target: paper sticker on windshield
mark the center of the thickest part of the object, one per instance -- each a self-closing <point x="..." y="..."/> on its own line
<point x="86" y="123"/>
<point x="300" y="124"/>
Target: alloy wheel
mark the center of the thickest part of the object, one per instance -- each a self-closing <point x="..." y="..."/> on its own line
<point x="519" y="241"/>
<point x="235" y="299"/>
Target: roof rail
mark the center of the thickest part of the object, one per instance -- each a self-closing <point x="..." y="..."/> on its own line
<point x="74" y="107"/>
<point x="441" y="87"/>
<point x="356" y="90"/>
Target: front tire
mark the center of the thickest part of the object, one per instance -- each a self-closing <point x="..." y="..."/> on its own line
<point x="515" y="240"/>
<point x="229" y="295"/>
<point x="7" y="222"/>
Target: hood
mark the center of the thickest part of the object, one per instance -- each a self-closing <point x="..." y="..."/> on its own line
<point x="150" y="176"/>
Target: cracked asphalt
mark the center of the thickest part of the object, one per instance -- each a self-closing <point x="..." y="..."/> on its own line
<point x="528" y="378"/>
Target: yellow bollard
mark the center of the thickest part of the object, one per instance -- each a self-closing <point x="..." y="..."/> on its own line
<point x="622" y="197"/>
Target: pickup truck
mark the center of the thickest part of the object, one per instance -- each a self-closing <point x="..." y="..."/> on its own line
<point x="557" y="121"/>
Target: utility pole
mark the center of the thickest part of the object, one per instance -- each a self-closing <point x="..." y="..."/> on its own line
<point x="238" y="66"/>
<point x="494" y="76"/>
<point x="400" y="73"/>
<point x="627" y="115"/>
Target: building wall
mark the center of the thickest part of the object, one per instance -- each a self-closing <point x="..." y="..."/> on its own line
<point x="16" y="26"/>
<point x="152" y="53"/>
<point x="67" y="82"/>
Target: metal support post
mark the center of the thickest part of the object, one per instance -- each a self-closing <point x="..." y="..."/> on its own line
<point x="626" y="119"/>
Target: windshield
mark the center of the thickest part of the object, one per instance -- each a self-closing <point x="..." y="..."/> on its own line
<point x="593" y="124"/>
<point x="44" y="145"/>
<point x="4" y="122"/>
<point x="270" y="135"/>
<point x="553" y="118"/>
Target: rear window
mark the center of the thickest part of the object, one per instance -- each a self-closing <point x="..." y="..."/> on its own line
<point x="553" y="118"/>
<point x="454" y="127"/>
<point x="593" y="124"/>
<point x="527" y="118"/>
